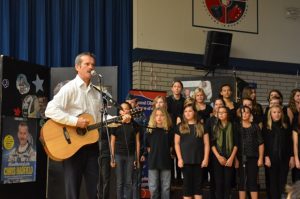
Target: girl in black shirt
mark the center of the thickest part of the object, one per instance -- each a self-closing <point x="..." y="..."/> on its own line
<point x="294" y="105"/>
<point x="257" y="110"/>
<point x="226" y="95"/>
<point x="192" y="149"/>
<point x="296" y="147"/>
<point x="224" y="148"/>
<point x="293" y="114"/>
<point x="203" y="110"/>
<point x="209" y="126"/>
<point x="275" y="98"/>
<point x="175" y="104"/>
<point x="250" y="154"/>
<point x="278" y="151"/>
<point x="125" y="143"/>
<point x="159" y="145"/>
<point x="256" y="119"/>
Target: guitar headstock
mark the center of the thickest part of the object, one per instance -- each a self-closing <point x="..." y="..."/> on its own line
<point x="136" y="112"/>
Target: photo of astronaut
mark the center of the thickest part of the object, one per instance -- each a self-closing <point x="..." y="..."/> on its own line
<point x="19" y="150"/>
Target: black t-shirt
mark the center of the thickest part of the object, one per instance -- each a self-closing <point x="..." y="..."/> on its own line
<point x="296" y="127"/>
<point x="175" y="107"/>
<point x="192" y="147"/>
<point x="160" y="142"/>
<point x="295" y="122"/>
<point x="209" y="125"/>
<point x="232" y="112"/>
<point x="205" y="114"/>
<point x="249" y="140"/>
<point x="125" y="138"/>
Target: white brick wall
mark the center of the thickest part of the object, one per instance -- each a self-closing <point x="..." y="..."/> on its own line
<point x="154" y="76"/>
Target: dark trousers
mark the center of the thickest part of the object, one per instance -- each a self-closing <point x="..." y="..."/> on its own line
<point x="84" y="163"/>
<point x="223" y="180"/>
<point x="277" y="177"/>
<point x="104" y="177"/>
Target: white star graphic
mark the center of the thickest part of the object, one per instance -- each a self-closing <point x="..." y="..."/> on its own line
<point x="38" y="84"/>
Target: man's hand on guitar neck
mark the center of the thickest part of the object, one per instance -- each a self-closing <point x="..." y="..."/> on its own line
<point x="126" y="118"/>
<point x="82" y="122"/>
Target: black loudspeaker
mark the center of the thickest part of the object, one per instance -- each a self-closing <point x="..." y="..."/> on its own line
<point x="217" y="50"/>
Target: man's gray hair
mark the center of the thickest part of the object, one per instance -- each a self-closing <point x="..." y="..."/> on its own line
<point x="78" y="57"/>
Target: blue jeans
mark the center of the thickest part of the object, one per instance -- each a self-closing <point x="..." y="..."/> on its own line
<point x="124" y="169"/>
<point x="160" y="178"/>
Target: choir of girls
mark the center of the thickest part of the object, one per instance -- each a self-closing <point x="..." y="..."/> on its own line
<point x="232" y="140"/>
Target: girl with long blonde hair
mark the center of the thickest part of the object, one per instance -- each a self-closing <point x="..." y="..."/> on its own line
<point x="159" y="146"/>
<point x="203" y="110"/>
<point x="278" y="151"/>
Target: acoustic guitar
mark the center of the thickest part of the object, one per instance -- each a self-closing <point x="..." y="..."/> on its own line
<point x="61" y="141"/>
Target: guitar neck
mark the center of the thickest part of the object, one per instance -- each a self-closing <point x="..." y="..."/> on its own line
<point x="99" y="124"/>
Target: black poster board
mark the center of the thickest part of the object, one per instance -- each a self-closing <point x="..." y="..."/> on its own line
<point x="24" y="95"/>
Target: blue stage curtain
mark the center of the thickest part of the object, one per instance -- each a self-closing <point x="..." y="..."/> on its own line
<point x="53" y="32"/>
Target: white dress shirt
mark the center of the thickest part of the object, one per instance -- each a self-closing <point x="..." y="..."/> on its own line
<point x="73" y="99"/>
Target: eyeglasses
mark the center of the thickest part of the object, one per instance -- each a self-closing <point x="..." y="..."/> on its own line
<point x="222" y="112"/>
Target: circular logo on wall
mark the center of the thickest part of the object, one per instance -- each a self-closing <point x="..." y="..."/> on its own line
<point x="226" y="12"/>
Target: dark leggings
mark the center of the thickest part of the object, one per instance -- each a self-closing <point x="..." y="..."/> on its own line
<point x="192" y="179"/>
<point x="248" y="175"/>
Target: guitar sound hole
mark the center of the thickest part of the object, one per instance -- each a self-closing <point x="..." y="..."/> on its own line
<point x="81" y="131"/>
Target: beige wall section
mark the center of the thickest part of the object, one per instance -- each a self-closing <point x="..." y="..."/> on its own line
<point x="153" y="76"/>
<point x="167" y="25"/>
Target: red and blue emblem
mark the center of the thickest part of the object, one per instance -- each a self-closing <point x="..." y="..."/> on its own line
<point x="226" y="12"/>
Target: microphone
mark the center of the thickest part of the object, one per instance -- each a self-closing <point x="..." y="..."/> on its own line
<point x="94" y="73"/>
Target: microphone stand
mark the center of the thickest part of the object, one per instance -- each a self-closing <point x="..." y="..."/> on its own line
<point x="104" y="114"/>
<point x="105" y="97"/>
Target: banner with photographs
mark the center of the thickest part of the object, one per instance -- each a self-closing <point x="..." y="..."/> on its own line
<point x="18" y="150"/>
<point x="145" y="98"/>
<point x="210" y="85"/>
